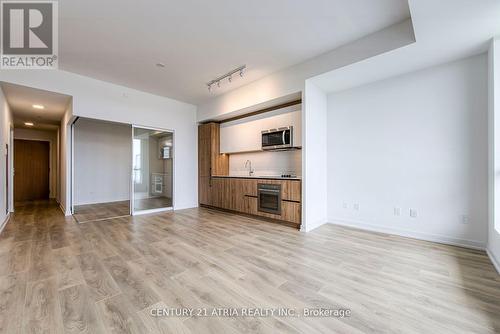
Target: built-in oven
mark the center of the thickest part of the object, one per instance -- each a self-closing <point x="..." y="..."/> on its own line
<point x="276" y="139"/>
<point x="269" y="198"/>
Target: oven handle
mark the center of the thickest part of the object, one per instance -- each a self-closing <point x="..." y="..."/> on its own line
<point x="270" y="191"/>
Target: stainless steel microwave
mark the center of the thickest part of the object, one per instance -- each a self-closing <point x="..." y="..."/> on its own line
<point x="276" y="139"/>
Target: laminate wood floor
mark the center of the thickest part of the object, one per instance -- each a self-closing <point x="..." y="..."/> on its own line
<point x="58" y="276"/>
<point x="100" y="211"/>
<point x="152" y="203"/>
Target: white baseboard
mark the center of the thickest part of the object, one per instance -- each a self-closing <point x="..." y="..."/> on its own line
<point x="310" y="227"/>
<point x="411" y="234"/>
<point x="494" y="260"/>
<point x="102" y="201"/>
<point x="4" y="223"/>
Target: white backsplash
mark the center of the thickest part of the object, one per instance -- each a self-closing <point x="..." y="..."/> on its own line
<point x="267" y="163"/>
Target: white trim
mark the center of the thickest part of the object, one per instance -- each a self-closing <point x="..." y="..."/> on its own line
<point x="311" y="227"/>
<point x="63" y="209"/>
<point x="145" y="212"/>
<point x="103" y="202"/>
<point x="473" y="244"/>
<point x="131" y="183"/>
<point x="493" y="260"/>
<point x="11" y="170"/>
<point x="5" y="221"/>
<point x="71" y="170"/>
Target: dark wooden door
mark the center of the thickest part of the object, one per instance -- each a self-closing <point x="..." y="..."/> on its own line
<point x="31" y="170"/>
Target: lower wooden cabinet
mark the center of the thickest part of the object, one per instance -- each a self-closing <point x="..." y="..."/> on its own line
<point x="251" y="205"/>
<point x="220" y="192"/>
<point x="204" y="190"/>
<point x="291" y="212"/>
<point x="240" y="195"/>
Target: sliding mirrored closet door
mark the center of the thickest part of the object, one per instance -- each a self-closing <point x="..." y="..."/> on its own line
<point x="152" y="170"/>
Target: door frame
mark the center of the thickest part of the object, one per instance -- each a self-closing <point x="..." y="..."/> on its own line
<point x="132" y="199"/>
<point x="52" y="168"/>
<point x="71" y="168"/>
<point x="50" y="165"/>
<point x="10" y="188"/>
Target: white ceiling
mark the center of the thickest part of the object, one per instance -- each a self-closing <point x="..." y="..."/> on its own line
<point x="120" y="41"/>
<point x="21" y="100"/>
<point x="445" y="30"/>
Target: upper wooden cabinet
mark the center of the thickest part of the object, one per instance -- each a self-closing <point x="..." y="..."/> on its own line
<point x="210" y="161"/>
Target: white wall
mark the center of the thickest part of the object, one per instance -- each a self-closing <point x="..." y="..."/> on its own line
<point x="243" y="140"/>
<point x="51" y="137"/>
<point x="244" y="135"/>
<point x="291" y="80"/>
<point x="493" y="247"/>
<point x="267" y="163"/>
<point x="314" y="163"/>
<point x="5" y="126"/>
<point x="415" y="141"/>
<point x="102" y="160"/>
<point x="101" y="100"/>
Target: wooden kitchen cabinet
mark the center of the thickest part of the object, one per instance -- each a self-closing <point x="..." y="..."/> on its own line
<point x="291" y="211"/>
<point x="238" y="191"/>
<point x="251" y="205"/>
<point x="237" y="194"/>
<point x="204" y="190"/>
<point x="240" y="195"/>
<point x="221" y="193"/>
<point x="210" y="161"/>
<point x="291" y="190"/>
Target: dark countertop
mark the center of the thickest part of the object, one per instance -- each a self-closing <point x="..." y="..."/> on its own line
<point x="277" y="177"/>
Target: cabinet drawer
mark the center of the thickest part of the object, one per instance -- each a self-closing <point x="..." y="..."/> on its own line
<point x="291" y="190"/>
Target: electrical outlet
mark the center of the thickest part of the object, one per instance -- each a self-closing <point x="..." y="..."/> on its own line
<point x="356" y="207"/>
<point x="464" y="219"/>
<point x="397" y="211"/>
<point x="413" y="213"/>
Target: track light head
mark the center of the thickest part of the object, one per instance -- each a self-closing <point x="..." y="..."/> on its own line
<point x="228" y="75"/>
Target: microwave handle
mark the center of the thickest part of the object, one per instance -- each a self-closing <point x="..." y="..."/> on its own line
<point x="284" y="135"/>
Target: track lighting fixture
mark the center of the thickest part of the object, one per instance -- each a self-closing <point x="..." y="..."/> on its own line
<point x="228" y="76"/>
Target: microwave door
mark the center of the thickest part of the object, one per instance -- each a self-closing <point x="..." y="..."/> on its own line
<point x="272" y="139"/>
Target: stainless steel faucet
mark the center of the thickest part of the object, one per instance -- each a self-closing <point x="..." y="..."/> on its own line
<point x="248" y="164"/>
